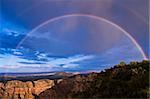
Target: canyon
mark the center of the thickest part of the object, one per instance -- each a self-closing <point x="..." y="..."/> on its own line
<point x="121" y="81"/>
<point x="24" y="90"/>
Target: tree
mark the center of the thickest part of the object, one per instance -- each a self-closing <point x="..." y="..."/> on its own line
<point x="122" y="64"/>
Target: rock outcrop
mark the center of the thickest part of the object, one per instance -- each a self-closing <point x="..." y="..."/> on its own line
<point x="59" y="91"/>
<point x="41" y="85"/>
<point x="121" y="81"/>
<point x="24" y="90"/>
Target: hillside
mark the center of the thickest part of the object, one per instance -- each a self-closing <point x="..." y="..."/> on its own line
<point x="121" y="81"/>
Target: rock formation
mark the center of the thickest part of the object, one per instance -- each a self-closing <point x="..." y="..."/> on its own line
<point x="121" y="81"/>
<point x="24" y="90"/>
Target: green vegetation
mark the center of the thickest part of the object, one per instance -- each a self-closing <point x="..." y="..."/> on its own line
<point x="122" y="81"/>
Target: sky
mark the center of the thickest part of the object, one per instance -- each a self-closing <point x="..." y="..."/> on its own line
<point x="71" y="35"/>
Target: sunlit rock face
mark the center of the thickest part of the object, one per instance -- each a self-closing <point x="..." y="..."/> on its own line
<point x="24" y="90"/>
<point x="41" y="85"/>
<point x="75" y="42"/>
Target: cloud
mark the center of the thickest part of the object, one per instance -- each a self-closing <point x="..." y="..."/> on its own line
<point x="70" y="62"/>
<point x="29" y="59"/>
<point x="32" y="63"/>
<point x="11" y="32"/>
<point x="15" y="62"/>
<point x="71" y="65"/>
<point x="72" y="59"/>
<point x="10" y="41"/>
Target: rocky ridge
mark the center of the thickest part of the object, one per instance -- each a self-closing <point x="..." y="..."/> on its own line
<point x="121" y="81"/>
<point x="24" y="90"/>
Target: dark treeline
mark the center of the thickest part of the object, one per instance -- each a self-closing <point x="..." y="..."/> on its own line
<point x="121" y="81"/>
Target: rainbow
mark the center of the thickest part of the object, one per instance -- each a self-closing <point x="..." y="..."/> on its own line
<point x="90" y="16"/>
